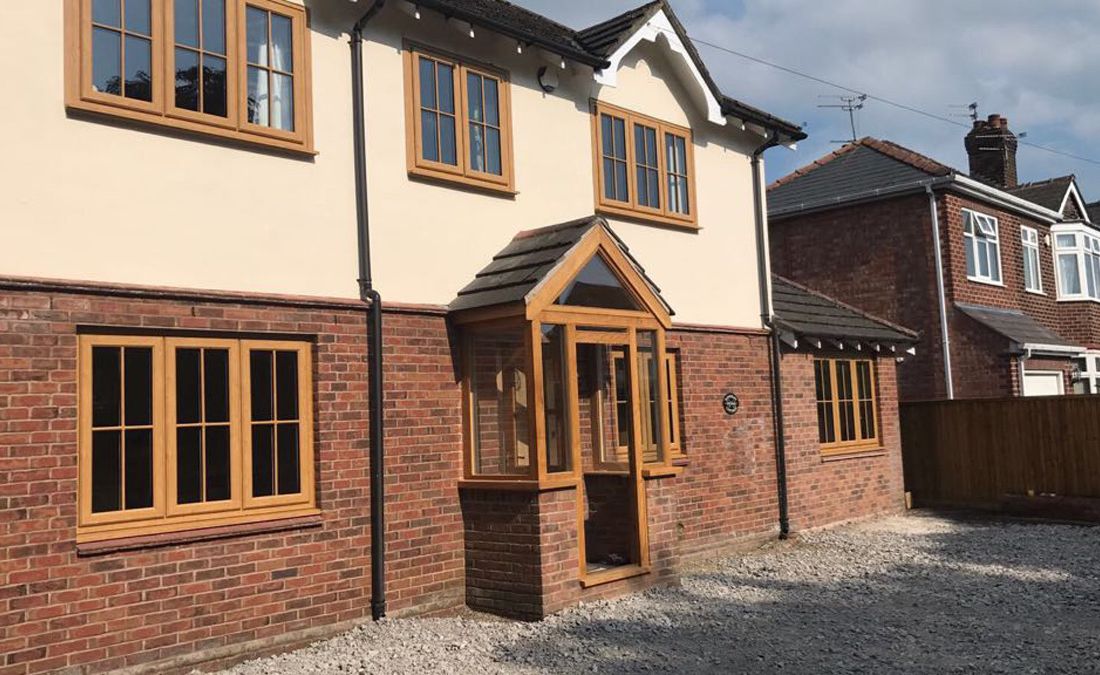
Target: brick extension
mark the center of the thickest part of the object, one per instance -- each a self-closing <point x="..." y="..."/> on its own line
<point x="175" y="605"/>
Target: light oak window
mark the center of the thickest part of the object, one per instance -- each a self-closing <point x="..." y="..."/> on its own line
<point x="236" y="69"/>
<point x="185" y="433"/>
<point x="847" y="407"/>
<point x="651" y="416"/>
<point x="644" y="167"/>
<point x="458" y="120"/>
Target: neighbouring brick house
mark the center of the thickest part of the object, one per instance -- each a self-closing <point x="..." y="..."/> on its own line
<point x="1020" y="263"/>
<point x="185" y="351"/>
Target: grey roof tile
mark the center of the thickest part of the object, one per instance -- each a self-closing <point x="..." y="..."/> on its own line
<point x="1014" y="325"/>
<point x="809" y="314"/>
<point x="1046" y="193"/>
<point x="528" y="259"/>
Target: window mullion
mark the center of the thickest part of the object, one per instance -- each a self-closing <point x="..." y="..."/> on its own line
<point x="857" y="416"/>
<point x="835" y="405"/>
<point x="662" y="169"/>
<point x="462" y="114"/>
<point x="631" y="168"/>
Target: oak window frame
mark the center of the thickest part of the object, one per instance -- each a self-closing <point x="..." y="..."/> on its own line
<point x="161" y="111"/>
<point x="460" y="173"/>
<point x="167" y="514"/>
<point x="832" y="403"/>
<point x="631" y="208"/>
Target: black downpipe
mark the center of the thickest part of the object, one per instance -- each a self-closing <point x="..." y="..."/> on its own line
<point x="369" y="295"/>
<point x="774" y="353"/>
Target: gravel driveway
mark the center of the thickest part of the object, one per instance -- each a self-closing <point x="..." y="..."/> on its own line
<point x="916" y="593"/>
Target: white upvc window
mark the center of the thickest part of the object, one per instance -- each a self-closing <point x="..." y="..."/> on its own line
<point x="983" y="247"/>
<point x="1077" y="256"/>
<point x="1033" y="274"/>
<point x="1086" y="379"/>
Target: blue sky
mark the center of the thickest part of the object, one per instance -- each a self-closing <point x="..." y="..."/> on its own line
<point x="1036" y="63"/>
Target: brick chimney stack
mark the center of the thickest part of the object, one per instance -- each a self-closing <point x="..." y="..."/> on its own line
<point x="991" y="147"/>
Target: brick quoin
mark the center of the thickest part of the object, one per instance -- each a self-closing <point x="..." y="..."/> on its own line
<point x="173" y="606"/>
<point x="878" y="256"/>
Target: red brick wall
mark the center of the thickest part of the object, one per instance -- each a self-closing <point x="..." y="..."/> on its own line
<point x="878" y="256"/>
<point x="822" y="491"/>
<point x="875" y="256"/>
<point x="126" y="608"/>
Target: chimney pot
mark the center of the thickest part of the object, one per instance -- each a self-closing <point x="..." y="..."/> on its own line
<point x="991" y="147"/>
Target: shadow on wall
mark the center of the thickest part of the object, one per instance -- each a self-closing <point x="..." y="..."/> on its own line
<point x="979" y="596"/>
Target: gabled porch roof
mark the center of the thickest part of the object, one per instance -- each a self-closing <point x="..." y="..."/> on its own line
<point x="519" y="271"/>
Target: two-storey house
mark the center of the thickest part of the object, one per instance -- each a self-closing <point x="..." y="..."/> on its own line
<point x="1002" y="280"/>
<point x="508" y="275"/>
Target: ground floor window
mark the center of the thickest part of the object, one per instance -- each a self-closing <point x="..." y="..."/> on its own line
<point x="847" y="407"/>
<point x="1086" y="374"/>
<point x="179" y="433"/>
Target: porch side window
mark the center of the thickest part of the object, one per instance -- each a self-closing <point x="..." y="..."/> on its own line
<point x="499" y="433"/>
<point x="459" y="120"/>
<point x="1033" y="276"/>
<point x="982" y="245"/>
<point x="644" y="167"/>
<point x="235" y="69"/>
<point x="847" y="407"/>
<point x="1078" y="256"/>
<point x="168" y="434"/>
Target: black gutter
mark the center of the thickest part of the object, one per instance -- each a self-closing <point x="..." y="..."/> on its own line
<point x="451" y="10"/>
<point x="369" y="295"/>
<point x="773" y="348"/>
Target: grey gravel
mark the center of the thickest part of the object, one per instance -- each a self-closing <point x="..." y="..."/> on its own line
<point x="917" y="593"/>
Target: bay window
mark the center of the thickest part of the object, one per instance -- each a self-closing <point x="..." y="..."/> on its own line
<point x="1077" y="252"/>
<point x="981" y="242"/>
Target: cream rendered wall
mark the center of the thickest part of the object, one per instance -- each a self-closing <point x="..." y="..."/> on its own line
<point x="85" y="199"/>
<point x="429" y="240"/>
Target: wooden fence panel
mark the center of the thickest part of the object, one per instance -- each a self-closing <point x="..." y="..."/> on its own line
<point x="978" y="452"/>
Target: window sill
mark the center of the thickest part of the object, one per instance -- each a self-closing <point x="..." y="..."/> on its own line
<point x="662" y="471"/>
<point x="520" y="484"/>
<point x="689" y="225"/>
<point x="985" y="282"/>
<point x="188" y="128"/>
<point x="447" y="179"/>
<point x="1028" y="290"/>
<point x="191" y="536"/>
<point x="852" y="453"/>
<point x="1078" y="299"/>
<point x="608" y="576"/>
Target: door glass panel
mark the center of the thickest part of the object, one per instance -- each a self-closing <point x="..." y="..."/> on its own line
<point x="609" y="490"/>
<point x="597" y="286"/>
<point x="558" y="452"/>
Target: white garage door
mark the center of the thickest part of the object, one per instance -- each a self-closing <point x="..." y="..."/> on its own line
<point x="1043" y="383"/>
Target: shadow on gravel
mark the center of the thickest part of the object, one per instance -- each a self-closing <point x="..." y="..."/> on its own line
<point x="984" y="597"/>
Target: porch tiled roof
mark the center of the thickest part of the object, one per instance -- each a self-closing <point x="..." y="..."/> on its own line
<point x="809" y="314"/>
<point x="1015" y="325"/>
<point x="529" y="258"/>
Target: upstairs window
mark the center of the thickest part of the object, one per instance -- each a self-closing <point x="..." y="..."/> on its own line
<point x="983" y="248"/>
<point x="847" y="408"/>
<point x="230" y="68"/>
<point x="644" y="167"/>
<point x="1033" y="275"/>
<point x="458" y="122"/>
<point x="1078" y="256"/>
<point x="184" y="433"/>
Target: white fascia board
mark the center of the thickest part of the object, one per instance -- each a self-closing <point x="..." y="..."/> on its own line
<point x="1073" y="192"/>
<point x="659" y="24"/>
<point x="1036" y="348"/>
<point x="1003" y="198"/>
